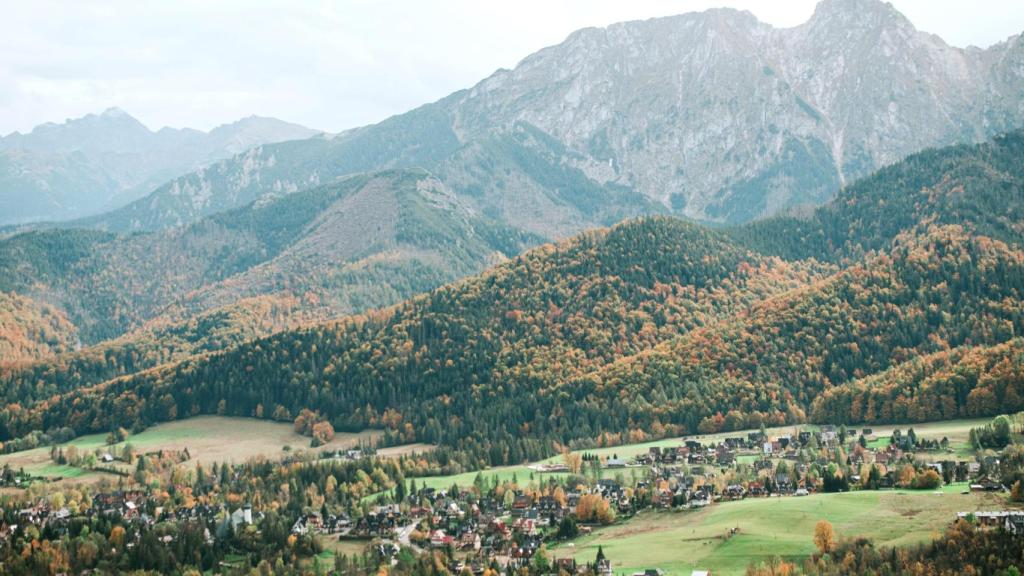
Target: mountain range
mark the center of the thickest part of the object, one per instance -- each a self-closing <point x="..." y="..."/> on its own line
<point x="532" y="250"/>
<point x="102" y="161"/>
<point x="714" y="115"/>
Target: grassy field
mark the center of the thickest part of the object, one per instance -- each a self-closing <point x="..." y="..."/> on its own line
<point x="208" y="439"/>
<point x="679" y="542"/>
<point x="957" y="431"/>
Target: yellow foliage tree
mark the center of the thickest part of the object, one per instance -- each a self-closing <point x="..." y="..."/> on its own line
<point x="824" y="536"/>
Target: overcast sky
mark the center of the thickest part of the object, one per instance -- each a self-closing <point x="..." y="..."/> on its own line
<point x="329" y="65"/>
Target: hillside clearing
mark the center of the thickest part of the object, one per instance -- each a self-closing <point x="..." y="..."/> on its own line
<point x="679" y="542"/>
<point x="208" y="439"/>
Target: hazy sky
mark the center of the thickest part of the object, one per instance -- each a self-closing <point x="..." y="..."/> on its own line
<point x="329" y="65"/>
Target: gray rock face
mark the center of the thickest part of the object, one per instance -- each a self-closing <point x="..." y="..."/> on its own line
<point x="713" y="115"/>
<point x="727" y="118"/>
<point x="101" y="161"/>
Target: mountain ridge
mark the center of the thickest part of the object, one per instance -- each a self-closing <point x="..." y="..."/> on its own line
<point x="90" y="164"/>
<point x="714" y="115"/>
<point x="365" y="241"/>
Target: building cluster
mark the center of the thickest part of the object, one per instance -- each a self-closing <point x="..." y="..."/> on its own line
<point x="483" y="529"/>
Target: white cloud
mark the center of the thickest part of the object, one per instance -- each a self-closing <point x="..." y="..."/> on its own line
<point x="330" y="65"/>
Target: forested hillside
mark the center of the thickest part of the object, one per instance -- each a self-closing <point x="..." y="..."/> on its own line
<point x="489" y="349"/>
<point x="967" y="380"/>
<point x="937" y="290"/>
<point x="979" y="187"/>
<point x="367" y="241"/>
<point x="652" y="327"/>
<point x="30" y="330"/>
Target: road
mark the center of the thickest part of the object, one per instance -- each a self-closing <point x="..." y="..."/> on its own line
<point x="403" y="536"/>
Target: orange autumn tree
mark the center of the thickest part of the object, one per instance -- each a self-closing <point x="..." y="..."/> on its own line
<point x="824" y="536"/>
<point x="594" y="508"/>
<point x="323" y="432"/>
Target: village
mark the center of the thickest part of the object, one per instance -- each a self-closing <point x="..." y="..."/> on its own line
<point x="515" y="524"/>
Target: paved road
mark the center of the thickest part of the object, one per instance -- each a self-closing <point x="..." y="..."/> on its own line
<point x="403" y="536"/>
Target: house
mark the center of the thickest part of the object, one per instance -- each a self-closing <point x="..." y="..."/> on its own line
<point x="700" y="573"/>
<point x="566" y="564"/>
<point x="525" y="526"/>
<point x="607" y="487"/>
<point x="615" y="463"/>
<point x="701" y="497"/>
<point x="734" y="492"/>
<point x="783" y="484"/>
<point x="242" y="515"/>
<point x="756" y="489"/>
<point x="470" y="541"/>
<point x="547" y="505"/>
<point x="663" y="498"/>
<point x="499" y="529"/>
<point x="650" y="572"/>
<point x="438" y="539"/>
<point x="520" y="556"/>
<point x="521" y="504"/>
<point x="990" y="519"/>
<point x="1015" y="523"/>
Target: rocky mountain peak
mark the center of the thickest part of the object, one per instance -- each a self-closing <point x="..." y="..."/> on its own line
<point x="840" y="20"/>
<point x="855" y="9"/>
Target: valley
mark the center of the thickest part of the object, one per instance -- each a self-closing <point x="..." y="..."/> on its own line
<point x="692" y="294"/>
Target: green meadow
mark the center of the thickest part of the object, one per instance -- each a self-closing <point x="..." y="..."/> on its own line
<point x="679" y="542"/>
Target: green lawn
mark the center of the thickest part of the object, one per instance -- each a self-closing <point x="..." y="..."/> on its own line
<point x="879" y="443"/>
<point x="60" y="470"/>
<point x="679" y="542"/>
